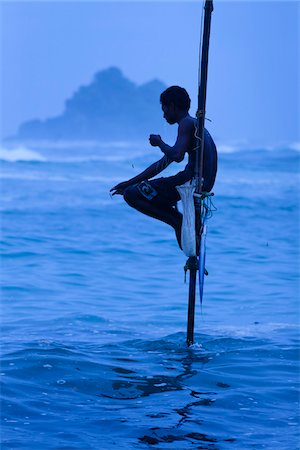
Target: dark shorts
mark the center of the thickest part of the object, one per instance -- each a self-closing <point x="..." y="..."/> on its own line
<point x="159" y="190"/>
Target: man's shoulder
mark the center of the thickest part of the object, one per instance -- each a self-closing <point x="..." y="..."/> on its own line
<point x="187" y="123"/>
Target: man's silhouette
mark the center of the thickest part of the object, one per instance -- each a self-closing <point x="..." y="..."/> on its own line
<point x="158" y="197"/>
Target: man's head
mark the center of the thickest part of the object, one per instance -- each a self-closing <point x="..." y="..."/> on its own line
<point x="174" y="101"/>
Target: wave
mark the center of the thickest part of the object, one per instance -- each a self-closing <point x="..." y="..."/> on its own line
<point x="99" y="158"/>
<point x="74" y="144"/>
<point x="72" y="154"/>
<point x="56" y="178"/>
<point x="76" y="152"/>
<point x="256" y="329"/>
<point x="295" y="146"/>
<point x="21" y="154"/>
<point x="225" y="148"/>
<point x="247" y="147"/>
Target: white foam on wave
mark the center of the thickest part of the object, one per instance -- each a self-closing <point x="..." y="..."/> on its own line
<point x="20" y="154"/>
<point x="114" y="151"/>
<point x="98" y="158"/>
<point x="76" y="144"/>
<point x="74" y="152"/>
<point x="36" y="176"/>
<point x="255" y="330"/>
<point x="295" y="146"/>
<point x="86" y="144"/>
<point x="227" y="148"/>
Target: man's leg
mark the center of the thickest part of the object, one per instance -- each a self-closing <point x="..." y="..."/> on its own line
<point x="164" y="212"/>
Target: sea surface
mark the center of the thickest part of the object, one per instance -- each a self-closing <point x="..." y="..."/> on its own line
<point x="94" y="306"/>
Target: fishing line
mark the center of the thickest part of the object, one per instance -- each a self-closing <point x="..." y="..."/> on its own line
<point x="164" y="163"/>
<point x="198" y="138"/>
<point x="200" y="45"/>
<point x="208" y="207"/>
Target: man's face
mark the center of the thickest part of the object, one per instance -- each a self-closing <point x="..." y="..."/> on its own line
<point x="169" y="113"/>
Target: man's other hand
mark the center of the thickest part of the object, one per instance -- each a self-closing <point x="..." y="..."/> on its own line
<point x="155" y="140"/>
<point x="119" y="188"/>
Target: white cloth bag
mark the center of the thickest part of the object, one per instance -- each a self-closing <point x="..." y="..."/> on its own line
<point x="188" y="234"/>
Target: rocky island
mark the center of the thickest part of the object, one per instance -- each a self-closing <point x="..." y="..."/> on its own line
<point x="110" y="107"/>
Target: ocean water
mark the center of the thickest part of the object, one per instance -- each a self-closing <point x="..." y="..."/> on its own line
<point x="94" y="307"/>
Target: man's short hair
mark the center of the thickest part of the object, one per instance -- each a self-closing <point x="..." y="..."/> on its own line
<point x="176" y="95"/>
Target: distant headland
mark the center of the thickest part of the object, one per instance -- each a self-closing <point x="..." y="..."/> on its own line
<point x="110" y="107"/>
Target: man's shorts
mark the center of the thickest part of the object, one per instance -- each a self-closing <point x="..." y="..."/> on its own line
<point x="159" y="191"/>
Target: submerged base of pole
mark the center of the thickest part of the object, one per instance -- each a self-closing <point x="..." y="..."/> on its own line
<point x="192" y="266"/>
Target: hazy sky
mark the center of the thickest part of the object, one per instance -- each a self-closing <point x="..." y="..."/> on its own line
<point x="48" y="49"/>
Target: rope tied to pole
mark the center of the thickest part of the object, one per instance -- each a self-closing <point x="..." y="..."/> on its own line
<point x="191" y="264"/>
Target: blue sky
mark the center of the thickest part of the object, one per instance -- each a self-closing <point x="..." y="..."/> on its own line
<point x="48" y="49"/>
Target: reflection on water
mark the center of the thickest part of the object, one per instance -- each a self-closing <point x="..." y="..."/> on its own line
<point x="160" y="393"/>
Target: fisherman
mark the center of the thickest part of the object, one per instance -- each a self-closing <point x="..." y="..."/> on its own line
<point x="158" y="197"/>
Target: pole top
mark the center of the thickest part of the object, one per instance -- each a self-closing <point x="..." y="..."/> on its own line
<point x="209" y="5"/>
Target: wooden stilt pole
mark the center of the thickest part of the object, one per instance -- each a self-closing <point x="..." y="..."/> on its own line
<point x="192" y="263"/>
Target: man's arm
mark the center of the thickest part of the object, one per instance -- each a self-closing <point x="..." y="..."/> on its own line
<point x="177" y="152"/>
<point x="151" y="171"/>
<point x="148" y="173"/>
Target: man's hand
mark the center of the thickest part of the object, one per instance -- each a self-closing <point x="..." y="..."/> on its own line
<point x="119" y="188"/>
<point x="155" y="140"/>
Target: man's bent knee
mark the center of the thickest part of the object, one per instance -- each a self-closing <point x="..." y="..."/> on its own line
<point x="131" y="195"/>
